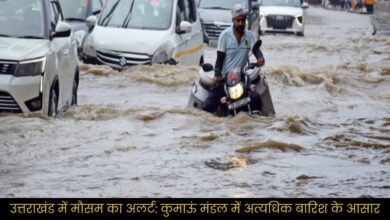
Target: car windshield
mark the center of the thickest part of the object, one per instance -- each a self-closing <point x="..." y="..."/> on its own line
<point x="291" y="3"/>
<point x="21" y="18"/>
<point x="142" y="14"/>
<point x="220" y="4"/>
<point x="74" y="9"/>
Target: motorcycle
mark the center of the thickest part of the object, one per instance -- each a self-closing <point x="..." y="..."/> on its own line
<point x="238" y="85"/>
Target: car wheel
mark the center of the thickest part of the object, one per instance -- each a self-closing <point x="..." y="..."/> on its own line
<point x="74" y="92"/>
<point x="301" y="34"/>
<point x="53" y="103"/>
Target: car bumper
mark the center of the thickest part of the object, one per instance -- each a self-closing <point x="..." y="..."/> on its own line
<point x="89" y="59"/>
<point x="17" y="93"/>
<point x="295" y="27"/>
<point x="122" y="60"/>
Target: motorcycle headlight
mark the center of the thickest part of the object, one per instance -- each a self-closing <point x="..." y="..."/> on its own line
<point x="31" y="67"/>
<point x="89" y="47"/>
<point x="163" y="54"/>
<point x="79" y="35"/>
<point x="236" y="91"/>
<point x="299" y="19"/>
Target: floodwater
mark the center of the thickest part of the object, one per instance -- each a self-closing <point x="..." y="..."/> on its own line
<point x="132" y="135"/>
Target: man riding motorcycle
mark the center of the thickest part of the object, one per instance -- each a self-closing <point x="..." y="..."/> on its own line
<point x="234" y="45"/>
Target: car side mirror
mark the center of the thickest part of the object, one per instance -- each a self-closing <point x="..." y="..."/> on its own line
<point x="207" y="67"/>
<point x="184" y="27"/>
<point x="305" y="5"/>
<point x="91" y="22"/>
<point x="62" y="30"/>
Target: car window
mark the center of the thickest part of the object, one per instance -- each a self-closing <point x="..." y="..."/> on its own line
<point x="142" y="14"/>
<point x="54" y="16"/>
<point x="96" y="6"/>
<point x="190" y="10"/>
<point x="185" y="11"/>
<point x="74" y="9"/>
<point x="22" y="18"/>
<point x="221" y="4"/>
<point x="180" y="12"/>
<point x="293" y="3"/>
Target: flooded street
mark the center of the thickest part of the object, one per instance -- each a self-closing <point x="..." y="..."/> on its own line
<point x="132" y="135"/>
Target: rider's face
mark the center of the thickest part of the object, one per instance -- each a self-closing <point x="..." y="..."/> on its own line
<point x="239" y="23"/>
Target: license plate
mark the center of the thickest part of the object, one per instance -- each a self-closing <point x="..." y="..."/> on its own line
<point x="239" y="103"/>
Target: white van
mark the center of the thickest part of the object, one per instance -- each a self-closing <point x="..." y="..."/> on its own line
<point x="130" y="32"/>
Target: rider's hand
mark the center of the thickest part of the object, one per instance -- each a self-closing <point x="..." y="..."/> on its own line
<point x="261" y="61"/>
<point x="216" y="80"/>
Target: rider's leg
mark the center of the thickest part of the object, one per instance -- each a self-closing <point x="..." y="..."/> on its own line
<point x="213" y="100"/>
<point x="255" y="101"/>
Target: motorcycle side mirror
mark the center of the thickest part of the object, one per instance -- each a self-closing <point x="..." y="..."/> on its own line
<point x="207" y="67"/>
<point x="256" y="46"/>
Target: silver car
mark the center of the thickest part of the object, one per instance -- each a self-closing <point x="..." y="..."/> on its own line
<point x="38" y="58"/>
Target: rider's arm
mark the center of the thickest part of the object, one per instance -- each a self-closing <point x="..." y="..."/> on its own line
<point x="260" y="58"/>
<point x="219" y="63"/>
<point x="258" y="54"/>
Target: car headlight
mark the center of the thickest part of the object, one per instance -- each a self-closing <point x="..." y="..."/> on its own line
<point x="79" y="36"/>
<point x="236" y="91"/>
<point x="31" y="67"/>
<point x="89" y="47"/>
<point x="163" y="54"/>
<point x="299" y="19"/>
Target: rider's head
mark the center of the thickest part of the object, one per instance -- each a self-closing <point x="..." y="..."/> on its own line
<point x="239" y="14"/>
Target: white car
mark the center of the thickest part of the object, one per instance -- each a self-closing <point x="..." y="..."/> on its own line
<point x="130" y="32"/>
<point x="283" y="16"/>
<point x="38" y="58"/>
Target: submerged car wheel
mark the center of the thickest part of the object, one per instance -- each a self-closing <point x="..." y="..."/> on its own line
<point x="53" y="103"/>
<point x="74" y="92"/>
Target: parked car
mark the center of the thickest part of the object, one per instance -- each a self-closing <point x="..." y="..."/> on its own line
<point x="216" y="16"/>
<point x="131" y="32"/>
<point x="75" y="13"/>
<point x="283" y="16"/>
<point x="38" y="58"/>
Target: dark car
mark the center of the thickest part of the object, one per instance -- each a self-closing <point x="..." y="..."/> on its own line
<point x="75" y="13"/>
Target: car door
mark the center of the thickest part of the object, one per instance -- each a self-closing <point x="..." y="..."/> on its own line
<point x="63" y="49"/>
<point x="195" y="38"/>
<point x="180" y="39"/>
<point x="192" y="43"/>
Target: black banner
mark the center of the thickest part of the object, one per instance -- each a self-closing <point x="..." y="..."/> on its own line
<point x="196" y="208"/>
